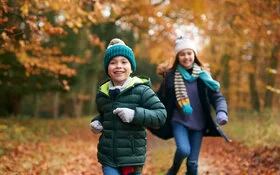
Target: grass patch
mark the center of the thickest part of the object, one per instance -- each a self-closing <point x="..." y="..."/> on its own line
<point x="253" y="129"/>
<point x="14" y="131"/>
<point x="248" y="127"/>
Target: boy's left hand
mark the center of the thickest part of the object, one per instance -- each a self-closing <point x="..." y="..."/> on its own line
<point x="125" y="114"/>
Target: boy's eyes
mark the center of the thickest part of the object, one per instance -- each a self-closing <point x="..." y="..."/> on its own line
<point x="115" y="62"/>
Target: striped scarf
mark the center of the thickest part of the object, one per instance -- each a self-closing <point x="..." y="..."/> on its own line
<point x="181" y="89"/>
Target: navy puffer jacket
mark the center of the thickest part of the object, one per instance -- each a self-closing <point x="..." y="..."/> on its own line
<point x="208" y="98"/>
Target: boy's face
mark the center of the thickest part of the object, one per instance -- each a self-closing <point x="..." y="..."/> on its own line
<point x="119" y="69"/>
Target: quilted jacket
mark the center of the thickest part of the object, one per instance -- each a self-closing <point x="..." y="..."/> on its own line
<point x="124" y="144"/>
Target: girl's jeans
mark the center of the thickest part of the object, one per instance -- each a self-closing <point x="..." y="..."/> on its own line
<point x="188" y="144"/>
<point x="107" y="170"/>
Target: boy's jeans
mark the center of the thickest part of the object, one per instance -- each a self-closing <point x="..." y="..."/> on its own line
<point x="107" y="170"/>
<point x="188" y="144"/>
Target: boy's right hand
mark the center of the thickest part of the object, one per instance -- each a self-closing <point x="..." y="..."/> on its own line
<point x="96" y="127"/>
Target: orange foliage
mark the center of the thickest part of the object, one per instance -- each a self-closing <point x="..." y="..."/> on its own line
<point x="239" y="29"/>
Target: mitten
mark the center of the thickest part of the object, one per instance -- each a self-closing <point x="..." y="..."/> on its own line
<point x="222" y="118"/>
<point x="125" y="114"/>
<point x="96" y="127"/>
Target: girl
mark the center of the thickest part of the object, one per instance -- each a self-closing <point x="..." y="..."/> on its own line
<point x="187" y="92"/>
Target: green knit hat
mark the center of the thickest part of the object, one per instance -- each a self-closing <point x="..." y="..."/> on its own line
<point x="118" y="48"/>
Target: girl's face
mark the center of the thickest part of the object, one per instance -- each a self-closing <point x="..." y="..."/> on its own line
<point x="119" y="69"/>
<point x="186" y="58"/>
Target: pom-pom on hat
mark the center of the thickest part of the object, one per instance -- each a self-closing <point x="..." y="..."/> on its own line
<point x="182" y="43"/>
<point x="116" y="48"/>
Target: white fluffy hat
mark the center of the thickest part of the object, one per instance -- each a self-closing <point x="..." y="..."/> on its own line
<point x="184" y="43"/>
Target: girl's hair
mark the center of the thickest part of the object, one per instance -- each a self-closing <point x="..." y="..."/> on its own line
<point x="166" y="67"/>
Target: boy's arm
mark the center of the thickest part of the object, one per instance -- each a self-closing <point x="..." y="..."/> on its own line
<point x="152" y="112"/>
<point x="96" y="118"/>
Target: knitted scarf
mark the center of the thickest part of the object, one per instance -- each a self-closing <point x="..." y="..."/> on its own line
<point x="181" y="89"/>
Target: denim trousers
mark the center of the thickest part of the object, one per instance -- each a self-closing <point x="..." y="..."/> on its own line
<point x="188" y="143"/>
<point x="107" y="170"/>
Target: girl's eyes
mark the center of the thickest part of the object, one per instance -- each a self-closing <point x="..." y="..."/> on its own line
<point x="185" y="53"/>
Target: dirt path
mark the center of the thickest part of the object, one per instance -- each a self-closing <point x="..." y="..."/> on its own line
<point x="218" y="157"/>
<point x="76" y="155"/>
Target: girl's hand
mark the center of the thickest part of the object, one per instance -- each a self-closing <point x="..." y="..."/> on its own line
<point x="222" y="118"/>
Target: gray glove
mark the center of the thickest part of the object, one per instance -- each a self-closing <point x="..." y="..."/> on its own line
<point x="125" y="114"/>
<point x="222" y="118"/>
<point x="96" y="127"/>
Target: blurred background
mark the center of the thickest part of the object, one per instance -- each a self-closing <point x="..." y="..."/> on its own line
<point x="51" y="54"/>
<point x="51" y="63"/>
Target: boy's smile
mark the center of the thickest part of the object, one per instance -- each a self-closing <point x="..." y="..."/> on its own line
<point x="119" y="69"/>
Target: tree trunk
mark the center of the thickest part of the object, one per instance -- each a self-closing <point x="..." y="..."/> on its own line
<point x="253" y="82"/>
<point x="56" y="105"/>
<point x="92" y="107"/>
<point x="15" y="102"/>
<point x="254" y="93"/>
<point x="78" y="106"/>
<point x="270" y="80"/>
<point x="225" y="75"/>
<point x="68" y="108"/>
<point x="36" y="105"/>
<point x="81" y="47"/>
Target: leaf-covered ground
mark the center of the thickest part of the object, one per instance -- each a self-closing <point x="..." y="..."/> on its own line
<point x="75" y="154"/>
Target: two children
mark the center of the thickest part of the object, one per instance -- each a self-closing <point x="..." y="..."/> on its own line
<point x="127" y="105"/>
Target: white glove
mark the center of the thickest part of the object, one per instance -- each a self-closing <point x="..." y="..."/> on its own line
<point x="125" y="114"/>
<point x="222" y="118"/>
<point x="96" y="127"/>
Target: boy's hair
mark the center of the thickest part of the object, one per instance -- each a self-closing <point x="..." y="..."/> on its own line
<point x="115" y="48"/>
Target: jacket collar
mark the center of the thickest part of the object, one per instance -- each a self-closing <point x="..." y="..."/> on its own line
<point x="104" y="88"/>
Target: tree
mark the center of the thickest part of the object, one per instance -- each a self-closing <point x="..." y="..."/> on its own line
<point x="57" y="46"/>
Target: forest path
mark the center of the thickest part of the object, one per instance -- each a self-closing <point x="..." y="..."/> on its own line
<point x="75" y="154"/>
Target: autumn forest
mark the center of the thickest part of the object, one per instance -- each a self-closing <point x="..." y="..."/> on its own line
<point x="51" y="63"/>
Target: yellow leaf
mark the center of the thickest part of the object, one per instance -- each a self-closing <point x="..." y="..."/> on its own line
<point x="25" y="9"/>
<point x="27" y="73"/>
